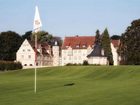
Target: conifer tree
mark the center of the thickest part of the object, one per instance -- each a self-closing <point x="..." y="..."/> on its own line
<point x="105" y="42"/>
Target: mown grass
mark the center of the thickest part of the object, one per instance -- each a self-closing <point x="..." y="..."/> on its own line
<point x="91" y="85"/>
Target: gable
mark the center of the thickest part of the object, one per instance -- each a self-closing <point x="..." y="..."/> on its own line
<point x="25" y="47"/>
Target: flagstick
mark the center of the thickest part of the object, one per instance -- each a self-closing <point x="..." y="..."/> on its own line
<point x="35" y="80"/>
<point x="35" y="61"/>
<point x="37" y="26"/>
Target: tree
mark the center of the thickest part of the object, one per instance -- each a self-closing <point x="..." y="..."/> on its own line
<point x="129" y="49"/>
<point x="105" y="42"/>
<point x="9" y="44"/>
<point x="27" y="35"/>
<point x="115" y="37"/>
<point x="42" y="36"/>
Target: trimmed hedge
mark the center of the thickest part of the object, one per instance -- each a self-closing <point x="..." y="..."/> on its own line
<point x="85" y="63"/>
<point x="9" y="65"/>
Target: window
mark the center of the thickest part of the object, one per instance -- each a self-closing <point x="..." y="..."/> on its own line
<point x="69" y="57"/>
<point x="25" y="64"/>
<point x="75" y="51"/>
<point x="29" y="56"/>
<point x="31" y="65"/>
<point x="79" y="51"/>
<point x="84" y="46"/>
<point x="22" y="56"/>
<point x="64" y="58"/>
<point x="23" y="50"/>
<point x="29" y="50"/>
<point x="77" y="46"/>
<point x="64" y="52"/>
<point x="69" y="53"/>
<point x="67" y="46"/>
<point x="75" y="58"/>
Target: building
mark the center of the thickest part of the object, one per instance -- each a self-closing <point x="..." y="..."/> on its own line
<point x="56" y="54"/>
<point x="97" y="56"/>
<point x="114" y="48"/>
<point x="45" y="55"/>
<point x="76" y="49"/>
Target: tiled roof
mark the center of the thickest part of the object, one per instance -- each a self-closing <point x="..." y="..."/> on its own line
<point x="97" y="52"/>
<point x="115" y="43"/>
<point x="78" y="42"/>
<point x="82" y="42"/>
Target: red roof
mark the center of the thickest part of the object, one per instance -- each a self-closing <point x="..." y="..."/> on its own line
<point x="78" y="42"/>
<point x="115" y="43"/>
<point x="82" y="42"/>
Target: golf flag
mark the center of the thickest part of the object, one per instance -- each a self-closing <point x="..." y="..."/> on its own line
<point x="37" y="21"/>
<point x="36" y="26"/>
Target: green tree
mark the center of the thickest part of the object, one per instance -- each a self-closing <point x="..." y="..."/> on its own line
<point x="115" y="37"/>
<point x="129" y="49"/>
<point x="42" y="36"/>
<point x="27" y="35"/>
<point x="105" y="42"/>
<point x="9" y="44"/>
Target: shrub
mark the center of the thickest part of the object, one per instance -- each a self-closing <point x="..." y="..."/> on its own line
<point x="75" y="64"/>
<point x="9" y="65"/>
<point x="85" y="62"/>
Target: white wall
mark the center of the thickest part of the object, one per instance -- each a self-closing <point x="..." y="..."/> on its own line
<point x="115" y="55"/>
<point x="26" y="54"/>
<point x="74" y="56"/>
<point x="56" y="59"/>
<point x="98" y="60"/>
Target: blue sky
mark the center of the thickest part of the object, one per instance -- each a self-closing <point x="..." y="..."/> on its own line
<point x="69" y="17"/>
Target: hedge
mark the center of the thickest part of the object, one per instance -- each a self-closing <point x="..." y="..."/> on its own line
<point x="9" y="65"/>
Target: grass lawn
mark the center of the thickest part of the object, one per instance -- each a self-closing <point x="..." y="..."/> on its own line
<point x="79" y="85"/>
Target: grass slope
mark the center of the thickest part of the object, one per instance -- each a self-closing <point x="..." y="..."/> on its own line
<point x="92" y="85"/>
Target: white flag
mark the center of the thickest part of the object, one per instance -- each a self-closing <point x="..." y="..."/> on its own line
<point x="37" y="20"/>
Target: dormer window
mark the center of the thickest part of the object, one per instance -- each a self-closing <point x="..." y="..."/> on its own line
<point x="77" y="46"/>
<point x="84" y="46"/>
<point x="92" y="45"/>
<point x="67" y="46"/>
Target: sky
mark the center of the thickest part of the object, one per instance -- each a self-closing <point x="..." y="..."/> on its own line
<point x="69" y="17"/>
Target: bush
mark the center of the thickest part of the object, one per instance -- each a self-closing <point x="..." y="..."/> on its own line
<point x="85" y="62"/>
<point x="70" y="64"/>
<point x="9" y="65"/>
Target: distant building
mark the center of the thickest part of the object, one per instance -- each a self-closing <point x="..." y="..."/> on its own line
<point x="114" y="47"/>
<point x="26" y="55"/>
<point x="97" y="56"/>
<point x="76" y="49"/>
<point x="56" y="54"/>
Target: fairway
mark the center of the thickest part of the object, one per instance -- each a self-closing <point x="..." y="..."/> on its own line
<point x="79" y="85"/>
